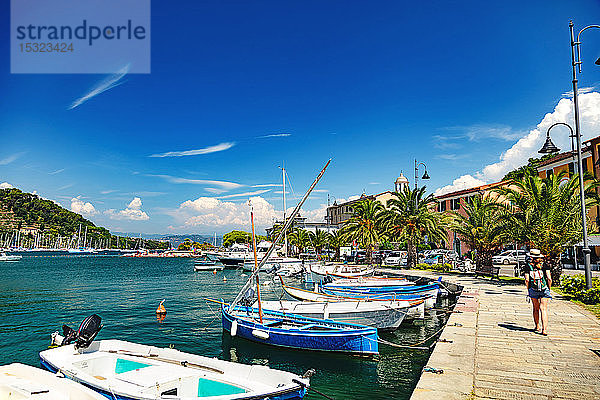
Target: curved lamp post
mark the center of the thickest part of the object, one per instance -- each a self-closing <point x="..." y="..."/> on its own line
<point x="549" y="147"/>
<point x="425" y="175"/>
<point x="576" y="62"/>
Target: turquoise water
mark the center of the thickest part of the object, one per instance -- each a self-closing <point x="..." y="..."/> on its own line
<point x="39" y="294"/>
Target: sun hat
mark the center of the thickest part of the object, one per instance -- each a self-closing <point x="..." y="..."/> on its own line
<point x="535" y="253"/>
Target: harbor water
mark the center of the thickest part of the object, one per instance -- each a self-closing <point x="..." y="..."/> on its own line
<point x="40" y="294"/>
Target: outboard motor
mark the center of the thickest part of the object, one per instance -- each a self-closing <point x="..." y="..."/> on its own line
<point x="248" y="298"/>
<point x="326" y="279"/>
<point x="85" y="335"/>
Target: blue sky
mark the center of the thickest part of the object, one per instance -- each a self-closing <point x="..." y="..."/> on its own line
<point x="255" y="84"/>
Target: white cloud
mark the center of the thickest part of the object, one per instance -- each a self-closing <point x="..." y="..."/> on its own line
<point x="104" y="85"/>
<point x="222" y="184"/>
<point x="6" y="185"/>
<point x="247" y="194"/>
<point x="479" y="132"/>
<point x="206" y="150"/>
<point x="581" y="90"/>
<point x="58" y="171"/>
<point x="133" y="212"/>
<point x="7" y="160"/>
<point x="461" y="183"/>
<point x="267" y="185"/>
<point x="529" y="144"/>
<point x="215" y="213"/>
<point x="274" y="135"/>
<point x="82" y="207"/>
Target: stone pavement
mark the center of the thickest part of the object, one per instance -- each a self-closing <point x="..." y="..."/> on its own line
<point x="493" y="353"/>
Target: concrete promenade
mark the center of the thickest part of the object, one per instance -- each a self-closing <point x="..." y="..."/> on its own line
<point x="493" y="353"/>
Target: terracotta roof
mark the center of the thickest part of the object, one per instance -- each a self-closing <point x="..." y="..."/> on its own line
<point x="565" y="155"/>
<point x="472" y="190"/>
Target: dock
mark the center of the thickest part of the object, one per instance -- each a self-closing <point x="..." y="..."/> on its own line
<point x="488" y="349"/>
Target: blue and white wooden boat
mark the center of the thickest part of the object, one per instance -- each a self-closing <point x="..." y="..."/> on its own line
<point x="299" y="332"/>
<point x="431" y="288"/>
<point x="128" y="371"/>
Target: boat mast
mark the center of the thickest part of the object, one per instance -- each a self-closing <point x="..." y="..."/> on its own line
<point x="79" y="236"/>
<point x="285" y="246"/>
<point x="279" y="237"/>
<point x="255" y="262"/>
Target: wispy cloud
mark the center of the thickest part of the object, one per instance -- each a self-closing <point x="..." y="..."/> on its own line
<point x="104" y="85"/>
<point x="581" y="90"/>
<point x="267" y="185"/>
<point x="452" y="157"/>
<point x="374" y="183"/>
<point x="321" y="191"/>
<point x="11" y="158"/>
<point x="477" y="132"/>
<point x="274" y="135"/>
<point x="108" y="191"/>
<point x="196" y="152"/>
<point x="222" y="184"/>
<point x="66" y="186"/>
<point x="255" y="193"/>
<point x="6" y="185"/>
<point x="58" y="171"/>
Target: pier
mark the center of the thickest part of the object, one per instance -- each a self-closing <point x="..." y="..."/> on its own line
<point x="488" y="349"/>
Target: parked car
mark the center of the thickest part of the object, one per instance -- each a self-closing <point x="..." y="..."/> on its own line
<point x="510" y="257"/>
<point x="440" y="256"/>
<point x="396" y="258"/>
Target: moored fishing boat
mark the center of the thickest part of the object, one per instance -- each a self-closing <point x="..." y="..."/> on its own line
<point x="296" y="331"/>
<point x="316" y="272"/>
<point x="129" y="371"/>
<point x="381" y="315"/>
<point x="20" y="382"/>
<point x="8" y="257"/>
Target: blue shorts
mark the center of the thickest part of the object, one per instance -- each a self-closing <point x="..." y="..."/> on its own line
<point x="539" y="294"/>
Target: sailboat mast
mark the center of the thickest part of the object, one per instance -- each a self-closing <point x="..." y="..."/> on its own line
<point x="285" y="246"/>
<point x="256" y="264"/>
<point x="79" y="236"/>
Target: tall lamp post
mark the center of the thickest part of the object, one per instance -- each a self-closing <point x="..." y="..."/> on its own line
<point x="549" y="147"/>
<point x="576" y="65"/>
<point x="425" y="175"/>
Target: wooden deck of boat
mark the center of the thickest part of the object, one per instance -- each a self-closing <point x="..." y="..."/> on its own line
<point x="489" y="349"/>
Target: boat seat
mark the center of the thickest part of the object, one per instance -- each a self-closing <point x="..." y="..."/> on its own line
<point x="150" y="376"/>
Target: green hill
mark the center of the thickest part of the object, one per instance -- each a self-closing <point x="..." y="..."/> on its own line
<point x="32" y="215"/>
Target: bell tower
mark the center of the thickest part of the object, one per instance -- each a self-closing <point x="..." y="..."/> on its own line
<point x="401" y="183"/>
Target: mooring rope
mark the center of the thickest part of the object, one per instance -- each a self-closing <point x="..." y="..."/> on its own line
<point x="414" y="346"/>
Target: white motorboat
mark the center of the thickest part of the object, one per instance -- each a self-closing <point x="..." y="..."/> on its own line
<point x="318" y="271"/>
<point x="8" y="257"/>
<point x="208" y="267"/>
<point x="20" y="382"/>
<point x="372" y="281"/>
<point x="274" y="263"/>
<point x="130" y="371"/>
<point x="386" y="315"/>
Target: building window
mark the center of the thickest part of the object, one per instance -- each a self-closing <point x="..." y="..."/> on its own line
<point x="585" y="167"/>
<point x="549" y="172"/>
<point x="442" y="206"/>
<point x="455" y="204"/>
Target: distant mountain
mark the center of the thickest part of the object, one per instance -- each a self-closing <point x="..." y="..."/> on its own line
<point x="32" y="216"/>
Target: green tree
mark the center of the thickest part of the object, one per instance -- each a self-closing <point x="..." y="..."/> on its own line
<point x="319" y="239"/>
<point x="480" y="227"/>
<point x="236" y="237"/>
<point x="411" y="217"/>
<point x="300" y="238"/>
<point x="364" y="225"/>
<point x="337" y="240"/>
<point x="546" y="213"/>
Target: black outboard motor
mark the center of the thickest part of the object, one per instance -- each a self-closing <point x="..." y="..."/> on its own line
<point x="85" y="335"/>
<point x="326" y="279"/>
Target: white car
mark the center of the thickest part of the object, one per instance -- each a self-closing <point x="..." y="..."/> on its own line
<point x="510" y="257"/>
<point x="396" y="258"/>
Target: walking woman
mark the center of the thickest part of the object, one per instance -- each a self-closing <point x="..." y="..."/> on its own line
<point x="538" y="281"/>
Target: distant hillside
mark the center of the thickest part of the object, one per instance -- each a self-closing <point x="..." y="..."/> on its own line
<point x="31" y="215"/>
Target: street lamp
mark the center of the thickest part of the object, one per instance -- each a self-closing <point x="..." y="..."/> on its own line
<point x="549" y="147"/>
<point x="425" y="175"/>
<point x="576" y="62"/>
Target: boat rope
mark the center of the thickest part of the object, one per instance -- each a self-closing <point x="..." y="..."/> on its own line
<point x="312" y="388"/>
<point x="414" y="346"/>
<point x="113" y="393"/>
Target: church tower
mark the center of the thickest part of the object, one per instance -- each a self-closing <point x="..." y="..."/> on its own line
<point x="401" y="183"/>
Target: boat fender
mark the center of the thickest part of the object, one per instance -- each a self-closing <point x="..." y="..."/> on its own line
<point x="234" y="328"/>
<point x="224" y="279"/>
<point x="260" y="334"/>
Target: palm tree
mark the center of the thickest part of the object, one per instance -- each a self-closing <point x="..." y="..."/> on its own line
<point x="363" y="226"/>
<point x="300" y="238"/>
<point x="336" y="240"/>
<point x="411" y="217"/>
<point x="319" y="239"/>
<point x="480" y="227"/>
<point x="546" y="213"/>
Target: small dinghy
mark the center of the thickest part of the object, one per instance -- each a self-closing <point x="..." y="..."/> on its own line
<point x="128" y="371"/>
<point x="208" y="262"/>
<point x="20" y="382"/>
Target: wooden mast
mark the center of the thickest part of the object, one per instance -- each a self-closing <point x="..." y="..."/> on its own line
<point x="256" y="264"/>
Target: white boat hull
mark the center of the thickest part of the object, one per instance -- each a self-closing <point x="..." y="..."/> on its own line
<point x="381" y="315"/>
